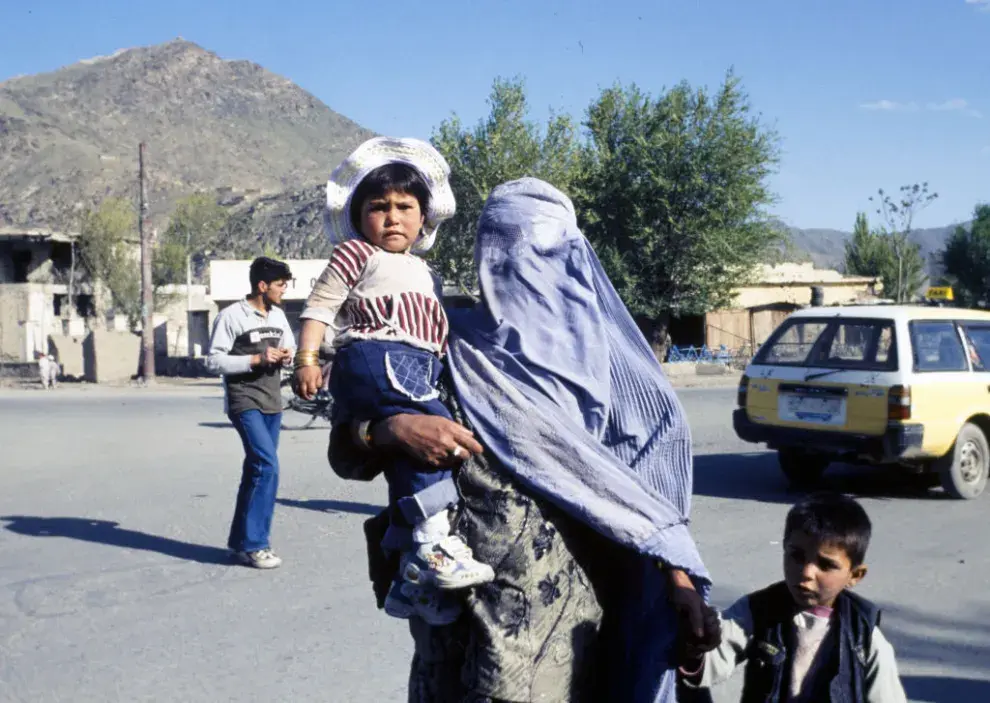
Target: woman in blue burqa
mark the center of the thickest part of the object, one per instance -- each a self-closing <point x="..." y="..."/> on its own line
<point x="577" y="485"/>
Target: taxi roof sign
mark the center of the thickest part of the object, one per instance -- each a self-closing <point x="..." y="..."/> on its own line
<point x="940" y="293"/>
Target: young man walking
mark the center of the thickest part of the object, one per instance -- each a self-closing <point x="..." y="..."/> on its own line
<point x="250" y="344"/>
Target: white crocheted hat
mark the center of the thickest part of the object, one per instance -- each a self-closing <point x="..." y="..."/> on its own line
<point x="371" y="155"/>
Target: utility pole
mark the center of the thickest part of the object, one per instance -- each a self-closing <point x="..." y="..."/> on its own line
<point x="147" y="290"/>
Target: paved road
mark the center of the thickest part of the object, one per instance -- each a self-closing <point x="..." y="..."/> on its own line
<point x="114" y="503"/>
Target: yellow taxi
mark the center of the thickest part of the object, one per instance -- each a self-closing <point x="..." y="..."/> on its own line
<point x="907" y="385"/>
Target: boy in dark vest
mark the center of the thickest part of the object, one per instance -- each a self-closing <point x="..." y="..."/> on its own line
<point x="808" y="638"/>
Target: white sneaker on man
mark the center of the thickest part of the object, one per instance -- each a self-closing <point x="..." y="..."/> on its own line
<point x="260" y="559"/>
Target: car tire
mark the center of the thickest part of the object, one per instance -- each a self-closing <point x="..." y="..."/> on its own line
<point x="803" y="469"/>
<point x="964" y="470"/>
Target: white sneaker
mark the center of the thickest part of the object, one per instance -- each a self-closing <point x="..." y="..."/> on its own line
<point x="260" y="559"/>
<point x="448" y="564"/>
<point x="406" y="600"/>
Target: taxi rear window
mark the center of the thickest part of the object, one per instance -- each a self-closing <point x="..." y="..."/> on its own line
<point x="859" y="344"/>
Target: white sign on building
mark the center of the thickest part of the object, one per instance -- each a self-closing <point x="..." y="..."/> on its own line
<point x="230" y="279"/>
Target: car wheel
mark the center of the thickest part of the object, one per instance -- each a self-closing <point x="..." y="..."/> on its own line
<point x="964" y="469"/>
<point x="802" y="469"/>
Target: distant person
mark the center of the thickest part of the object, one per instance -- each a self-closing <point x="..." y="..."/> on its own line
<point x="48" y="370"/>
<point x="383" y="307"/>
<point x="250" y="344"/>
<point x="808" y="638"/>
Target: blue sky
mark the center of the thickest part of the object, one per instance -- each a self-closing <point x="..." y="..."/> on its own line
<point x="864" y="93"/>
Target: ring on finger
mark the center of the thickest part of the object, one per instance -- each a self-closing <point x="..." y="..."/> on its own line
<point x="456" y="452"/>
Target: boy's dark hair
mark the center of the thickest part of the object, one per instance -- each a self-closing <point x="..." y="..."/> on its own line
<point x="391" y="178"/>
<point x="265" y="269"/>
<point x="832" y="518"/>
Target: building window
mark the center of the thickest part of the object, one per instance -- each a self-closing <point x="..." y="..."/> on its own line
<point x="22" y="265"/>
<point x="85" y="306"/>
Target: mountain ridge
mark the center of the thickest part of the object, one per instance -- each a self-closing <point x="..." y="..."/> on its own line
<point x="69" y="138"/>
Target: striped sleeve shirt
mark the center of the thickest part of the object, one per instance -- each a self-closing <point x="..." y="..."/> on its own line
<point x="368" y="293"/>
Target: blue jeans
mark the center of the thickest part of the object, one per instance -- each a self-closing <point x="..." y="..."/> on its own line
<point x="373" y="380"/>
<point x="255" y="506"/>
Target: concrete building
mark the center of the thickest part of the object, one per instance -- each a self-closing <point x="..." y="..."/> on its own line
<point x="758" y="308"/>
<point x="183" y="319"/>
<point x="36" y="268"/>
<point x="35" y="271"/>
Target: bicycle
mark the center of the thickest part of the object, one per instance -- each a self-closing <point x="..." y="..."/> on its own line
<point x="295" y="409"/>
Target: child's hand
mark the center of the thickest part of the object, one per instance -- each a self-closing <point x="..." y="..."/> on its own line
<point x="286" y="356"/>
<point x="696" y="648"/>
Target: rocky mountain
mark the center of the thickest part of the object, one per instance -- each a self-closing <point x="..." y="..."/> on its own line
<point x="72" y="136"/>
<point x="290" y="223"/>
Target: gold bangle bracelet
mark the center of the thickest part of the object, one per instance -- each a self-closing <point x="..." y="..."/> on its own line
<point x="307" y="357"/>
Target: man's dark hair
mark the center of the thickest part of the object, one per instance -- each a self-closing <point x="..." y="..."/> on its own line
<point x="390" y="178"/>
<point x="834" y="519"/>
<point x="264" y="269"/>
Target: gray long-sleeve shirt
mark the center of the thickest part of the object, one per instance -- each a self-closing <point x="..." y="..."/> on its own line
<point x="239" y="332"/>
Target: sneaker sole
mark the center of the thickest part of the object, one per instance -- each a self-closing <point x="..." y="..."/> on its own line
<point x="456" y="583"/>
<point x="404" y="613"/>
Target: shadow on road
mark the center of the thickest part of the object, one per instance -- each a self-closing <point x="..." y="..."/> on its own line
<point x="938" y="689"/>
<point x="944" y="640"/>
<point x="216" y="425"/>
<point x="757" y="477"/>
<point x="332" y="506"/>
<point x="108" y="532"/>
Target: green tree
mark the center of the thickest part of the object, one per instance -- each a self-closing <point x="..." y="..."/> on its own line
<point x="196" y="222"/>
<point x="874" y="252"/>
<point x="676" y="196"/>
<point x="109" y="250"/>
<point x="901" y="266"/>
<point x="504" y="146"/>
<point x="865" y="250"/>
<point x="906" y="273"/>
<point x="966" y="259"/>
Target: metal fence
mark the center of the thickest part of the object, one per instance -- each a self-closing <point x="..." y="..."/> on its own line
<point x="737" y="356"/>
<point x="703" y="354"/>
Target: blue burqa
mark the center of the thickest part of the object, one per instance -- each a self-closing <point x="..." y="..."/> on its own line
<point x="562" y="387"/>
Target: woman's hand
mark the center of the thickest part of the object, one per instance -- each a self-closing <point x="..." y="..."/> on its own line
<point x="309" y="379"/>
<point x="434" y="440"/>
<point x="704" y="632"/>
